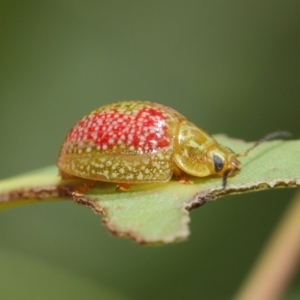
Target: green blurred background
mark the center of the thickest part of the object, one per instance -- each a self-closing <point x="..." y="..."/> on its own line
<point x="230" y="66"/>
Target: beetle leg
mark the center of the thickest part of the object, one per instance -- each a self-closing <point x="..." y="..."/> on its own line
<point x="181" y="176"/>
<point x="84" y="188"/>
<point x="81" y="190"/>
<point x="183" y="179"/>
<point x="123" y="187"/>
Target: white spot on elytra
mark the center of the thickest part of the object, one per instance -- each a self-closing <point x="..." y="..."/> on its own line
<point x="129" y="176"/>
<point x="145" y="161"/>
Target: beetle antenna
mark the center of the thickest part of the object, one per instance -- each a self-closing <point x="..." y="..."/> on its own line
<point x="225" y="176"/>
<point x="263" y="139"/>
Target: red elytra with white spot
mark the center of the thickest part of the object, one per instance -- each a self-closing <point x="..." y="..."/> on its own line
<point x="140" y="142"/>
<point x="143" y="130"/>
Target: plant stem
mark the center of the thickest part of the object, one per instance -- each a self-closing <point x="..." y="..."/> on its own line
<point x="278" y="261"/>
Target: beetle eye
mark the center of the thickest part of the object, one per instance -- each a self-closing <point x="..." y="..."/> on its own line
<point x="218" y="162"/>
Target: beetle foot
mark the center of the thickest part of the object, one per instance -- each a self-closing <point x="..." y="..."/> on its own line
<point x="123" y="187"/>
<point x="183" y="179"/>
<point x="84" y="188"/>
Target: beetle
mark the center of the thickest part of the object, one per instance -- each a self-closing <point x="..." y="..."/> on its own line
<point x="142" y="142"/>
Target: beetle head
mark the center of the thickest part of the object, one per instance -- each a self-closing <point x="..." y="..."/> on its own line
<point x="223" y="162"/>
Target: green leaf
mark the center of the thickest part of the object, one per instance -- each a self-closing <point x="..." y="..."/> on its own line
<point x="159" y="213"/>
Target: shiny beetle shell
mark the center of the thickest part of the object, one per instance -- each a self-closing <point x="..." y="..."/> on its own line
<point x="140" y="142"/>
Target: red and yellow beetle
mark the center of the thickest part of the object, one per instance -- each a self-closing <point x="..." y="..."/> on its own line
<point x="142" y="142"/>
